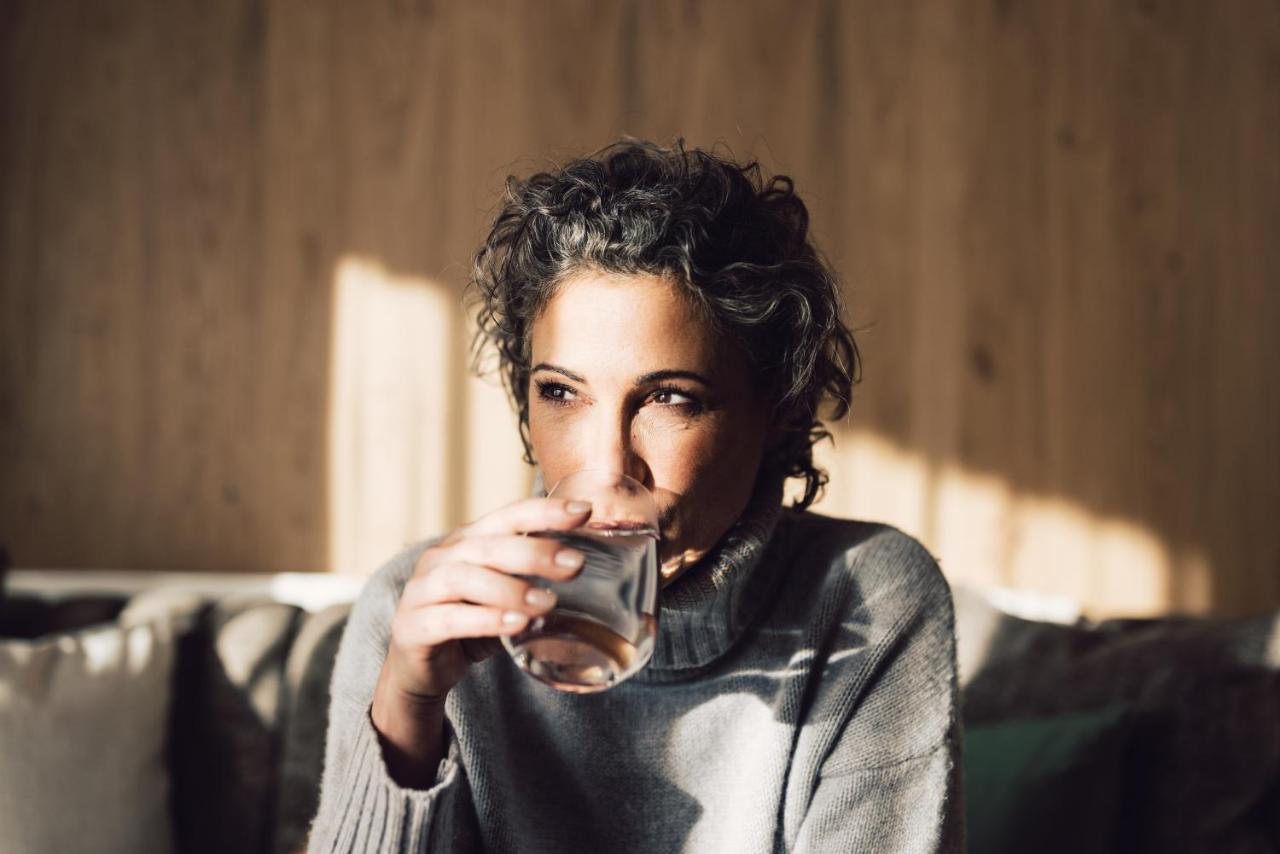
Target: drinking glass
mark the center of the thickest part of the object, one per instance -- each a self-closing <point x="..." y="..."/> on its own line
<point x="602" y="628"/>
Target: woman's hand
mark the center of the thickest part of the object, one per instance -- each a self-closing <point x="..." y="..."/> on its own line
<point x="463" y="595"/>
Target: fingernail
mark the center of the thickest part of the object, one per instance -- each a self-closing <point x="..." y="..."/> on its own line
<point x="539" y="598"/>
<point x="578" y="506"/>
<point x="512" y="618"/>
<point x="569" y="558"/>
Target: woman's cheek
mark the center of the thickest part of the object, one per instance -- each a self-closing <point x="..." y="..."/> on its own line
<point x="677" y="454"/>
<point x="554" y="441"/>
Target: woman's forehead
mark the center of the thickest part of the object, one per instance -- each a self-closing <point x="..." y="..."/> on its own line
<point x="626" y="324"/>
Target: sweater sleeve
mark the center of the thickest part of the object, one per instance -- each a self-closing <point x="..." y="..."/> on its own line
<point x="892" y="780"/>
<point x="362" y="809"/>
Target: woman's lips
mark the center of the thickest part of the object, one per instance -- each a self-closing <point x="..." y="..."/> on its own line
<point x="620" y="525"/>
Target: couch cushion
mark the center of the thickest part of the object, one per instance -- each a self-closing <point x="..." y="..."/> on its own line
<point x="1206" y="694"/>
<point x="25" y="616"/>
<point x="82" y="735"/>
<point x="306" y="715"/>
<point x="225" y="730"/>
<point x="1054" y="784"/>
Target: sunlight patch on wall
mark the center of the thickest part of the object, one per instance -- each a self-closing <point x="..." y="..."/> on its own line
<point x="1052" y="547"/>
<point x="987" y="534"/>
<point x="970" y="514"/>
<point x="496" y="472"/>
<point x="392" y="367"/>
<point x="872" y="478"/>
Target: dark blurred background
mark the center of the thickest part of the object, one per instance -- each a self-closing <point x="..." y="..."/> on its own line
<point x="235" y="236"/>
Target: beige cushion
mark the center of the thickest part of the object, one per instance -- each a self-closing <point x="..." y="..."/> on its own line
<point x="83" y="723"/>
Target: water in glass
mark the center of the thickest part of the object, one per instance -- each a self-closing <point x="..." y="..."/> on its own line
<point x="602" y="628"/>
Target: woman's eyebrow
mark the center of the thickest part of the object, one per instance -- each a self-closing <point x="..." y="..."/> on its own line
<point x="545" y="366"/>
<point x="658" y="376"/>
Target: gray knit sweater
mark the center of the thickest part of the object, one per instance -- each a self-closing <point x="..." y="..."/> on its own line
<point x="801" y="697"/>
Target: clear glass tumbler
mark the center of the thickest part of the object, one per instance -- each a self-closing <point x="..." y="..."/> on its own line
<point x="602" y="628"/>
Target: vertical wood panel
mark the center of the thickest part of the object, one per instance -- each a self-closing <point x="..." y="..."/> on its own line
<point x="1054" y="222"/>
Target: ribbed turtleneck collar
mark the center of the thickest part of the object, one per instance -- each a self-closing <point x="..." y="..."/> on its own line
<point x="704" y="610"/>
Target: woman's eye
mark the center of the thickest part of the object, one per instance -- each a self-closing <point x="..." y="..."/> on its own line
<point x="554" y="392"/>
<point x="677" y="398"/>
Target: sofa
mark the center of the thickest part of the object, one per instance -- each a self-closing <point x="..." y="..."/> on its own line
<point x="206" y="731"/>
<point x="229" y="739"/>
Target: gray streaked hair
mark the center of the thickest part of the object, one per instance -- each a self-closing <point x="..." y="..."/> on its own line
<point x="736" y="244"/>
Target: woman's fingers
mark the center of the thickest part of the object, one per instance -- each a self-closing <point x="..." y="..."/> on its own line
<point x="478" y="585"/>
<point x="530" y="514"/>
<point x="520" y="555"/>
<point x="437" y="624"/>
<point x="469" y="589"/>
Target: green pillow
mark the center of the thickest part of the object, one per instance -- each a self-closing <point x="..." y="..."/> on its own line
<point x="1047" y="784"/>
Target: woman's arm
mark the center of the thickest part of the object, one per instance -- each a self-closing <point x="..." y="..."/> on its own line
<point x="362" y="806"/>
<point x="392" y="780"/>
<point x="412" y="734"/>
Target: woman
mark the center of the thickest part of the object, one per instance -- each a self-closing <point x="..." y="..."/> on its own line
<point x="658" y="312"/>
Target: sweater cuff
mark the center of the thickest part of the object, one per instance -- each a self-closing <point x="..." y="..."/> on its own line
<point x="379" y="815"/>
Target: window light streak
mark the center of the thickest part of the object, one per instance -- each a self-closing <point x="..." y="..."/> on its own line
<point x="989" y="534"/>
<point x="388" y="427"/>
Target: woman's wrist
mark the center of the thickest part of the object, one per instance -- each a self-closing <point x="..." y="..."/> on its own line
<point x="411" y="733"/>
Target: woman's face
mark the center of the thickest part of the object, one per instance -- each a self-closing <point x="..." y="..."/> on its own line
<point x="626" y="377"/>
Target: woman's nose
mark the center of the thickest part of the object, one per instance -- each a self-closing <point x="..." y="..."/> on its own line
<point x="614" y="448"/>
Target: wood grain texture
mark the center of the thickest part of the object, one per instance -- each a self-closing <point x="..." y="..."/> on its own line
<point x="1055" y="223"/>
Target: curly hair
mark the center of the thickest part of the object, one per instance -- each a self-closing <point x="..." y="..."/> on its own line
<point x="737" y="245"/>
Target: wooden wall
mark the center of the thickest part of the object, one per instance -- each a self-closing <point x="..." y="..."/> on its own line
<point x="1056" y="223"/>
